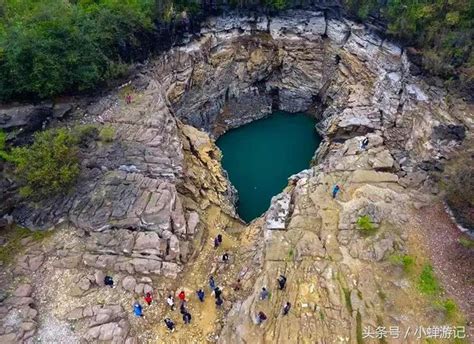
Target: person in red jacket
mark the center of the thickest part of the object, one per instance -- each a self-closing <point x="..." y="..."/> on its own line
<point x="182" y="295"/>
<point x="148" y="298"/>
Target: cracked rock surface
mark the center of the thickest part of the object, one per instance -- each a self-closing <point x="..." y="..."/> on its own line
<point x="148" y="205"/>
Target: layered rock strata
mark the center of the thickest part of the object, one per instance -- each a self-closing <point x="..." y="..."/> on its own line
<point x="146" y="203"/>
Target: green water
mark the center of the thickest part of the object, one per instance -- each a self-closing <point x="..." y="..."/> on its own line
<point x="260" y="156"/>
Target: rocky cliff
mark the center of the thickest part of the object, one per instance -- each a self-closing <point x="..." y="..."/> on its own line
<point x="147" y="205"/>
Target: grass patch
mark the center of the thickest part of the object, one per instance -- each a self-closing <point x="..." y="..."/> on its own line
<point x="365" y="226"/>
<point x="360" y="338"/>
<point x="14" y="238"/>
<point x="467" y="243"/>
<point x="347" y="298"/>
<point x="450" y="308"/>
<point x="427" y="282"/>
<point x="321" y="315"/>
<point x="107" y="134"/>
<point x="291" y="254"/>
<point x="405" y="260"/>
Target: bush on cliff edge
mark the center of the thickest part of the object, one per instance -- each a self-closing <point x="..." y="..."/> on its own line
<point x="49" y="166"/>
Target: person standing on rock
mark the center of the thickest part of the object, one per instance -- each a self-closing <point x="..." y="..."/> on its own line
<point x="187" y="318"/>
<point x="264" y="294"/>
<point x="182" y="296"/>
<point x="200" y="295"/>
<point x="225" y="257"/>
<point x="170" y="301"/>
<point x="286" y="308"/>
<point x="169" y="324"/>
<point x="182" y="308"/>
<point x="216" y="243"/>
<point x="364" y="143"/>
<point x="109" y="281"/>
<point x="335" y="190"/>
<point x="281" y="282"/>
<point x="261" y="317"/>
<point x="148" y="298"/>
<point x="212" y="283"/>
<point x="217" y="292"/>
<point x="137" y="310"/>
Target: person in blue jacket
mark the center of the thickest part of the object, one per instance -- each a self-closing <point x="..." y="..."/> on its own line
<point x="335" y="190"/>
<point x="200" y="295"/>
<point x="137" y="310"/>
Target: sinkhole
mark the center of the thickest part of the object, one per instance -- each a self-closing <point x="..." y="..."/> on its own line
<point x="260" y="156"/>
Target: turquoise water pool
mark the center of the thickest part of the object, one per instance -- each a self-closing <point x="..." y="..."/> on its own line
<point x="260" y="156"/>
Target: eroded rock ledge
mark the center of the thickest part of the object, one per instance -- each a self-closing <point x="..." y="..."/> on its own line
<point x="143" y="206"/>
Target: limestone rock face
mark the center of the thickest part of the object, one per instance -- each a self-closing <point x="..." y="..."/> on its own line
<point x="279" y="211"/>
<point x="148" y="203"/>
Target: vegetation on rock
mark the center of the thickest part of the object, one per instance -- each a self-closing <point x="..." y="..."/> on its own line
<point x="427" y="282"/>
<point x="14" y="237"/>
<point x="443" y="29"/>
<point x="53" y="47"/>
<point x="404" y="260"/>
<point x="107" y="134"/>
<point x="364" y="225"/>
<point x="48" y="166"/>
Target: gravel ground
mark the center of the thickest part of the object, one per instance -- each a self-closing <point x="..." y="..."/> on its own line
<point x="453" y="263"/>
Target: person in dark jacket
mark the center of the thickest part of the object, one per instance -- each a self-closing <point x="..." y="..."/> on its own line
<point x="187" y="318"/>
<point x="286" y="308"/>
<point x="225" y="257"/>
<point x="219" y="302"/>
<point x="364" y="143"/>
<point x="109" y="281"/>
<point x="264" y="294"/>
<point x="281" y="282"/>
<point x="261" y="317"/>
<point x="183" y="307"/>
<point x="200" y="295"/>
<point x="170" y="324"/>
<point x="217" y="292"/>
<point x="212" y="283"/>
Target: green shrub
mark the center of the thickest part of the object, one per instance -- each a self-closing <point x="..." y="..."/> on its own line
<point x="83" y="133"/>
<point x="3" y="145"/>
<point x="107" y="134"/>
<point x="467" y="243"/>
<point x="427" y="282"/>
<point x="443" y="29"/>
<point x="450" y="308"/>
<point x="365" y="225"/>
<point x="404" y="260"/>
<point x="49" y="166"/>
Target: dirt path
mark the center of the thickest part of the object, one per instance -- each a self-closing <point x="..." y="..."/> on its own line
<point x="205" y="315"/>
<point x="453" y="263"/>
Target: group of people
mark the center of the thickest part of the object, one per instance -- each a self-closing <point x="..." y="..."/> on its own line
<point x="264" y="294"/>
<point x="199" y="293"/>
<point x="186" y="315"/>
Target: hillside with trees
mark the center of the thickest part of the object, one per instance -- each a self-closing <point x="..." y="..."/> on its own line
<point x="54" y="47"/>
